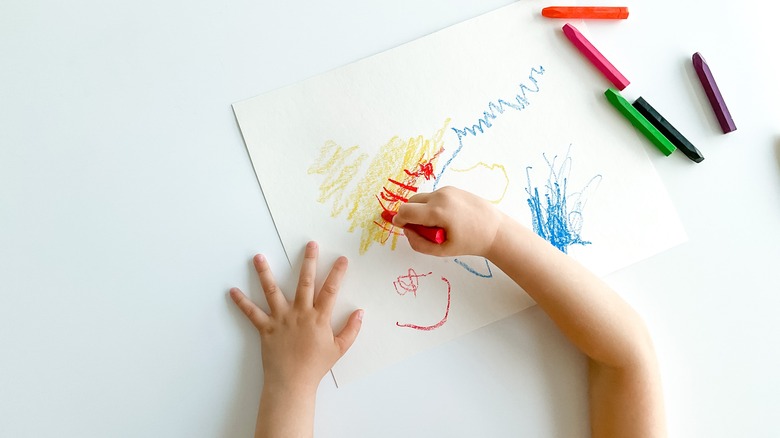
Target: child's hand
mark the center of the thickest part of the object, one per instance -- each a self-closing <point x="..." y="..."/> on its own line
<point x="297" y="340"/>
<point x="471" y="223"/>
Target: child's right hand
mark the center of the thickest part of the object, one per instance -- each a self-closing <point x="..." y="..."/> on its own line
<point x="470" y="222"/>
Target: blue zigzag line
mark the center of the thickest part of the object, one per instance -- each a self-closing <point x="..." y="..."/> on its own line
<point x="494" y="110"/>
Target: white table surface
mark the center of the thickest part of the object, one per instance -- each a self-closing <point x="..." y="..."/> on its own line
<point x="128" y="207"/>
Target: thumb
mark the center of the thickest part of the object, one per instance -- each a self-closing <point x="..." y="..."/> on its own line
<point x="349" y="333"/>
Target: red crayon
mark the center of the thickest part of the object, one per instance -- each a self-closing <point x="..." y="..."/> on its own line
<point x="434" y="234"/>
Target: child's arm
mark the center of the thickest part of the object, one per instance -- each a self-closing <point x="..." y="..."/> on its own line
<point x="624" y="383"/>
<point x="298" y="345"/>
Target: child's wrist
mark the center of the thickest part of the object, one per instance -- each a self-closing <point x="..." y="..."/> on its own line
<point x="503" y="233"/>
<point x="281" y="388"/>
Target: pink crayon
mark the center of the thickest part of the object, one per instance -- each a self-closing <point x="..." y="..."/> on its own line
<point x="595" y="57"/>
<point x="433" y="234"/>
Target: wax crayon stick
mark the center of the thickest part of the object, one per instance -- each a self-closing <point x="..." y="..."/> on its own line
<point x="433" y="234"/>
<point x="639" y="122"/>
<point x="668" y="130"/>
<point x="595" y="57"/>
<point x="586" y="12"/>
<point x="713" y="93"/>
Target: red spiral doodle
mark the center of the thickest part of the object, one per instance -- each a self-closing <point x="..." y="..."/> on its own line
<point x="408" y="283"/>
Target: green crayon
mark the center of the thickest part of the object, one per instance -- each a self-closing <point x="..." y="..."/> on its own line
<point x="639" y="121"/>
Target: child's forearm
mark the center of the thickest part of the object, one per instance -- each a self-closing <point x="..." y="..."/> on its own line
<point x="623" y="381"/>
<point x="593" y="317"/>
<point x="285" y="412"/>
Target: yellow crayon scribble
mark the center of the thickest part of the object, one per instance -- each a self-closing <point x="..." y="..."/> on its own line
<point x="333" y="163"/>
<point x="490" y="167"/>
<point x="393" y="175"/>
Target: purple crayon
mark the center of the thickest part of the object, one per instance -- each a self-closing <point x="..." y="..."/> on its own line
<point x="713" y="93"/>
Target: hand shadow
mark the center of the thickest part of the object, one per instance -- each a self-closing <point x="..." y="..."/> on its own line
<point x="562" y="367"/>
<point x="241" y="416"/>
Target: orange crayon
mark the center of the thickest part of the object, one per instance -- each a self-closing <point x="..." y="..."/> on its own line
<point x="586" y="12"/>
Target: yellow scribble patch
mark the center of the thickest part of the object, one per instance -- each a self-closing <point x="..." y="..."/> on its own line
<point x="339" y="167"/>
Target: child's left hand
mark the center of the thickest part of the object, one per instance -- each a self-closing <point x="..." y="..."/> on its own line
<point x="297" y="340"/>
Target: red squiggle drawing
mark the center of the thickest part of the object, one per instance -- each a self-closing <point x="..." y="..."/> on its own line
<point x="425" y="170"/>
<point x="409" y="283"/>
<point x="399" y="191"/>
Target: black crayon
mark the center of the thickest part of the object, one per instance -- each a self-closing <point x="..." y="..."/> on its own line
<point x="668" y="130"/>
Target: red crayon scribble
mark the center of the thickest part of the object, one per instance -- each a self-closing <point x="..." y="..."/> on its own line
<point x="410" y="285"/>
<point x="398" y="193"/>
<point x="426" y="169"/>
<point x="405" y="186"/>
<point x="387" y="195"/>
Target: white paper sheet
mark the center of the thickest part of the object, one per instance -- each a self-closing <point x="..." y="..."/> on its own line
<point x="500" y="105"/>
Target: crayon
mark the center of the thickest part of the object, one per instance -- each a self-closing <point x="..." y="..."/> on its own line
<point x="669" y="131"/>
<point x="433" y="234"/>
<point x="586" y="12"/>
<point x="639" y="122"/>
<point x="595" y="57"/>
<point x="713" y="93"/>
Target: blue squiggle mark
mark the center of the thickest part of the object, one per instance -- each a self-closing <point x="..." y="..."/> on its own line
<point x="494" y="110"/>
<point x="465" y="266"/>
<point x="554" y="220"/>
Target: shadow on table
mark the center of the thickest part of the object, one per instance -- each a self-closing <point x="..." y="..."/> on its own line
<point x="562" y="370"/>
<point x="777" y="151"/>
<point x="248" y="379"/>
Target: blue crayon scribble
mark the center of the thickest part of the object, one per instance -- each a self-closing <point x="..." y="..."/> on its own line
<point x="467" y="267"/>
<point x="558" y="219"/>
<point x="494" y="110"/>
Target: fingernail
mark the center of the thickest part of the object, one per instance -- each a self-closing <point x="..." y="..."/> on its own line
<point x="360" y="315"/>
<point x="312" y="244"/>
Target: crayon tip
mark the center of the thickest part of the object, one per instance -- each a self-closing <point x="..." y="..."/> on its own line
<point x="552" y="12"/>
<point x="388" y="215"/>
<point x="698" y="60"/>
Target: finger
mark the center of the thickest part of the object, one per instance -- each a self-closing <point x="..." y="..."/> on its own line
<point x="349" y="333"/>
<point x="304" y="295"/>
<point x="254" y="313"/>
<point x="421" y="244"/>
<point x="421" y="214"/>
<point x="273" y="295"/>
<point x="420" y="198"/>
<point x="326" y="298"/>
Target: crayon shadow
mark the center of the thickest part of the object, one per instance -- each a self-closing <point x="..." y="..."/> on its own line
<point x="699" y="96"/>
<point x="777" y="150"/>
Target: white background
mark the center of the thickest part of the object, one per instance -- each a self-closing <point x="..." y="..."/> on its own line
<point x="128" y="207"/>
